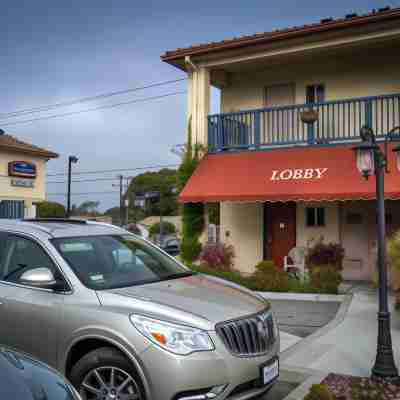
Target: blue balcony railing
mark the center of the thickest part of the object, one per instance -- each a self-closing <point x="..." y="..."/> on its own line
<point x="337" y="122"/>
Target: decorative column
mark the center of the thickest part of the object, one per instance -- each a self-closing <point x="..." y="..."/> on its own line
<point x="199" y="103"/>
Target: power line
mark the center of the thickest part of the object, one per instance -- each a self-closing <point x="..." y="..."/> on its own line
<point x="114" y="105"/>
<point x="85" y="180"/>
<point x="49" y="107"/>
<point x="115" y="170"/>
<point x="83" y="193"/>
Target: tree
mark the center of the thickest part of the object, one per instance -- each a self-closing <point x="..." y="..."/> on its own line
<point x="88" y="207"/>
<point x="50" y="209"/>
<point x="164" y="182"/>
<point x="135" y="214"/>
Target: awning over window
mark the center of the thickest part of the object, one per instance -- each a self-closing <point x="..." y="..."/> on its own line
<point x="297" y="174"/>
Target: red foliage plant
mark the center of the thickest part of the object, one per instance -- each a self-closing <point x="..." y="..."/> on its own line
<point x="326" y="254"/>
<point x="218" y="255"/>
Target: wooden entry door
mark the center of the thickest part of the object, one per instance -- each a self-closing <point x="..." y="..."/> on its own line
<point x="280" y="228"/>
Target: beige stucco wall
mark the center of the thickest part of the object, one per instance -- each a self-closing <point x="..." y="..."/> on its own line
<point x="307" y="236"/>
<point x="345" y="76"/>
<point x="29" y="195"/>
<point x="242" y="227"/>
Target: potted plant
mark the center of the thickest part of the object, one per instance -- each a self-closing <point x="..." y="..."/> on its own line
<point x="309" y="115"/>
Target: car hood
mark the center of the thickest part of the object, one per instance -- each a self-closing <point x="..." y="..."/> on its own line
<point x="193" y="300"/>
<point x="23" y="378"/>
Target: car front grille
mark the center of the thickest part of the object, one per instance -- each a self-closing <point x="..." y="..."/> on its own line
<point x="249" y="336"/>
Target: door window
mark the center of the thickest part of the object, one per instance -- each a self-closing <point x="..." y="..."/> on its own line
<point x="315" y="94"/>
<point x="21" y="255"/>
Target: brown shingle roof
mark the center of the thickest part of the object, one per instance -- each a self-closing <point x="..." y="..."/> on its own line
<point x="10" y="143"/>
<point x="325" y="24"/>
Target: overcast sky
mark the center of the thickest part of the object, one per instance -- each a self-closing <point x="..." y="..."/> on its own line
<point x="53" y="50"/>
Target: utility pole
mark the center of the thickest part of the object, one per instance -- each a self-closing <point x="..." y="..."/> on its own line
<point x="121" y="203"/>
<point x="71" y="160"/>
<point x="127" y="201"/>
<point x="123" y="215"/>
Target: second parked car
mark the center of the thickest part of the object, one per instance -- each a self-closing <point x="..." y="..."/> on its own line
<point x="123" y="320"/>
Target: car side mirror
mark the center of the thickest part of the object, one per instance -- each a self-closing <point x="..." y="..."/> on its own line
<point x="39" y="277"/>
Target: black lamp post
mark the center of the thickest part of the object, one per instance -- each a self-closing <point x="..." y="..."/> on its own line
<point x="372" y="160"/>
<point x="71" y="160"/>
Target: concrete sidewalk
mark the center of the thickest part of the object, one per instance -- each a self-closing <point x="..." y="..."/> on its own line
<point x="347" y="345"/>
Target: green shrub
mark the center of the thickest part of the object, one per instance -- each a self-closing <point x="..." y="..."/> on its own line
<point x="192" y="213"/>
<point x="190" y="249"/>
<point x="50" y="209"/>
<point x="268" y="277"/>
<point x="319" y="392"/>
<point x="301" y="286"/>
<point x="325" y="279"/>
<point x="232" y="276"/>
<point x="167" y="228"/>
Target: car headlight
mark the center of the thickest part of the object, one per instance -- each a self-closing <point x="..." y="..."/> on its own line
<point x="178" y="339"/>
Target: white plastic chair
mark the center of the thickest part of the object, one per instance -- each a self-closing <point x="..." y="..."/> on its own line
<point x="295" y="261"/>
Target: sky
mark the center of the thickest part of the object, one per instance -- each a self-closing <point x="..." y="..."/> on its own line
<point x="54" y="51"/>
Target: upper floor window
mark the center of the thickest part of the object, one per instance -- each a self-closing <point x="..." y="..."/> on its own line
<point x="315" y="93"/>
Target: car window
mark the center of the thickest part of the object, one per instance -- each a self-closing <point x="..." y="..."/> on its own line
<point x="112" y="261"/>
<point x="21" y="255"/>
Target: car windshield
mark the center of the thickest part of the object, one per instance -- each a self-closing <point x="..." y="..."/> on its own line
<point x="115" y="261"/>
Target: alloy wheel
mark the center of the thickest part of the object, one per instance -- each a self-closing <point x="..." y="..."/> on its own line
<point x="109" y="383"/>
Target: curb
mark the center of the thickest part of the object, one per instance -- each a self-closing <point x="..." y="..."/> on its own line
<point x="301" y="391"/>
<point x="303" y="296"/>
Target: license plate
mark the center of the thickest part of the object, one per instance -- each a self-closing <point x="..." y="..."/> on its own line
<point x="270" y="372"/>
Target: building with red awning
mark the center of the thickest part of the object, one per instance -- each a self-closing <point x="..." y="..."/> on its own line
<point x="279" y="158"/>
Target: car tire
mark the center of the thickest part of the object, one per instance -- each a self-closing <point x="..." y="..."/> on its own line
<point x="102" y="361"/>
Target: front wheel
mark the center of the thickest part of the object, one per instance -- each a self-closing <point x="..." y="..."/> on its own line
<point x="105" y="374"/>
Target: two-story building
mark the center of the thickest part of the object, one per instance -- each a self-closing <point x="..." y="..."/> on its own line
<point x="22" y="177"/>
<point x="280" y="159"/>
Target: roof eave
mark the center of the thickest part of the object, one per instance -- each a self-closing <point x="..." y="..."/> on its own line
<point x="176" y="57"/>
<point x="40" y="154"/>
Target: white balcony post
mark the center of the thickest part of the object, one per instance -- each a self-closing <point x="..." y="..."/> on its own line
<point x="199" y="103"/>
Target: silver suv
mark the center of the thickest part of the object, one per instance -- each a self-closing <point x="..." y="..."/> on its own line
<point x="123" y="320"/>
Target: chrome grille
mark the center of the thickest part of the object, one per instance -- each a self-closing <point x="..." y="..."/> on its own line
<point x="248" y="336"/>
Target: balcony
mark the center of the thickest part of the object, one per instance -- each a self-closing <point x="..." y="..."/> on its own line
<point x="337" y="122"/>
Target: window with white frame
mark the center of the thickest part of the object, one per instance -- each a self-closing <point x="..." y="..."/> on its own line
<point x="315" y="216"/>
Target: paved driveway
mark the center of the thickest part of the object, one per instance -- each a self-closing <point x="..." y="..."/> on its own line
<point x="302" y="318"/>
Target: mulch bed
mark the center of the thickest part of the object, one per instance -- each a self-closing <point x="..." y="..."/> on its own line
<point x="346" y="387"/>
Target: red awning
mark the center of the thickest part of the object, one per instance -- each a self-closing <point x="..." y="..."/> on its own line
<point x="296" y="174"/>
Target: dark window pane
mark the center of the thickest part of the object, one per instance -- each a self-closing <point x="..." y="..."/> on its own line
<point x="310" y="94"/>
<point x="310" y="216"/>
<point x="320" y="216"/>
<point x="320" y="93"/>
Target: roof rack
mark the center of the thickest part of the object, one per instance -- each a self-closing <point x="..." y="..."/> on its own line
<point x="57" y="220"/>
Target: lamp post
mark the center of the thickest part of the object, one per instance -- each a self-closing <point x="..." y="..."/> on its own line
<point x="71" y="160"/>
<point x="372" y="160"/>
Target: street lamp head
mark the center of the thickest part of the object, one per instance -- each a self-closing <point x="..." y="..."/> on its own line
<point x="365" y="153"/>
<point x="73" y="159"/>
